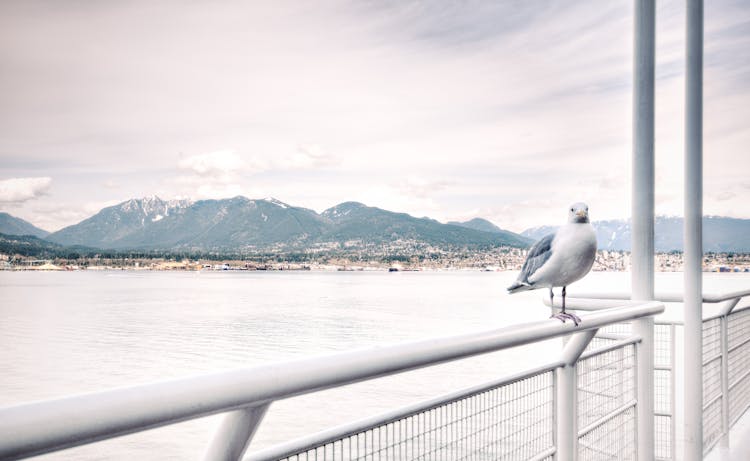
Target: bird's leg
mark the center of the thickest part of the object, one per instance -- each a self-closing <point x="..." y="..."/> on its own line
<point x="562" y="315"/>
<point x="551" y="297"/>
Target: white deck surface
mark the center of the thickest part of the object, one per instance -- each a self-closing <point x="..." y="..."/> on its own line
<point x="739" y="443"/>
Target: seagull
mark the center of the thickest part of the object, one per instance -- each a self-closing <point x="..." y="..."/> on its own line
<point x="560" y="258"/>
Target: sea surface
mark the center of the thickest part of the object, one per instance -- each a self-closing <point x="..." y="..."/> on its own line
<point x="64" y="333"/>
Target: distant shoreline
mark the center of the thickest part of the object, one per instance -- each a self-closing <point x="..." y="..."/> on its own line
<point x="723" y="270"/>
<point x="480" y="261"/>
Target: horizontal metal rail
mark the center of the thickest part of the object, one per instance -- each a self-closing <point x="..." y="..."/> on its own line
<point x="739" y="380"/>
<point x="333" y="434"/>
<point x="41" y="427"/>
<point x="725" y="312"/>
<point x="711" y="401"/>
<point x="598" y="301"/>
<point x="710" y="298"/>
<point x="738" y="345"/>
<point x="544" y="455"/>
<point x="608" y="417"/>
<point x="337" y="434"/>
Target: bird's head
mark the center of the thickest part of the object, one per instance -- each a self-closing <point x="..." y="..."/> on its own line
<point x="578" y="213"/>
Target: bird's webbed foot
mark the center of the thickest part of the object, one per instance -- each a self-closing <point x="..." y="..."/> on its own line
<point x="563" y="316"/>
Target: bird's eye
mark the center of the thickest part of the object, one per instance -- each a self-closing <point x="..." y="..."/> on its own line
<point x="572" y="209"/>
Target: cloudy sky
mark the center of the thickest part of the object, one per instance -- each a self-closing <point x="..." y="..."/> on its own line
<point x="508" y="110"/>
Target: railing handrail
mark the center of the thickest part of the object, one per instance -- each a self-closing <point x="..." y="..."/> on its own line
<point x="665" y="297"/>
<point x="290" y="448"/>
<point x="41" y="427"/>
<point x="592" y="301"/>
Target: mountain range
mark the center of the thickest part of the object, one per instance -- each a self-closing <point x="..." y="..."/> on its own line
<point x="240" y="223"/>
<point x="720" y="234"/>
<point x="16" y="226"/>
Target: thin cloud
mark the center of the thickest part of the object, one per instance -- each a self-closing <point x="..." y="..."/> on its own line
<point x="415" y="186"/>
<point x="15" y="191"/>
<point x="219" y="163"/>
<point x="306" y="156"/>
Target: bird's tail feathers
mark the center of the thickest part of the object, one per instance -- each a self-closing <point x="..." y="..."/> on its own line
<point x="519" y="286"/>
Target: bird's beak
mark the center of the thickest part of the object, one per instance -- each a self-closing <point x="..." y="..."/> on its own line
<point x="581" y="213"/>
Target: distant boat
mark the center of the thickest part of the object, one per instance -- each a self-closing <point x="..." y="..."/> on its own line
<point x="393" y="269"/>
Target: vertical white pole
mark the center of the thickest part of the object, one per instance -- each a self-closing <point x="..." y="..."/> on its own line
<point x="566" y="409"/>
<point x="642" y="221"/>
<point x="725" y="380"/>
<point x="673" y="391"/>
<point x="642" y="252"/>
<point x="693" y="232"/>
<point x="567" y="396"/>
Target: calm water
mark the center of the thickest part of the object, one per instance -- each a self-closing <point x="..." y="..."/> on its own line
<point x="66" y="333"/>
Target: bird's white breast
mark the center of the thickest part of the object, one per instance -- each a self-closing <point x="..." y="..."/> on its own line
<point x="573" y="254"/>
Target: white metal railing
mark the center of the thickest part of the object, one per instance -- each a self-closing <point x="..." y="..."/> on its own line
<point x="580" y="403"/>
<point x="725" y="363"/>
<point x="471" y="423"/>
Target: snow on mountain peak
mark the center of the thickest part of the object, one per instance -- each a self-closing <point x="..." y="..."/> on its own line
<point x="179" y="203"/>
<point x="276" y="202"/>
<point x="153" y="207"/>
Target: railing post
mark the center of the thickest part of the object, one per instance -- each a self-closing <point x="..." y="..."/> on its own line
<point x="567" y="397"/>
<point x="642" y="251"/>
<point x="673" y="390"/>
<point x="693" y="233"/>
<point x="566" y="409"/>
<point x="645" y="388"/>
<point x="235" y="433"/>
<point x="724" y="380"/>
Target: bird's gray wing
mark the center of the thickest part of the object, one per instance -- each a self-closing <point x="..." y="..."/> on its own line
<point x="538" y="255"/>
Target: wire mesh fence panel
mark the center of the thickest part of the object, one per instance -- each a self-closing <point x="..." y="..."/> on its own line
<point x="712" y="357"/>
<point x="664" y="430"/>
<point x="609" y="334"/>
<point x="663" y="392"/>
<point x="663" y="345"/>
<point x="606" y="382"/>
<point x="621" y="329"/>
<point x="711" y="339"/>
<point x="739" y="362"/>
<point x="712" y="424"/>
<point x="663" y="380"/>
<point x="712" y="420"/>
<point x="509" y="422"/>
<point x="598" y="342"/>
<point x="739" y="398"/>
<point x="606" y="393"/>
<point x="738" y="332"/>
<point x="663" y="449"/>
<point x="613" y="440"/>
<point x="738" y="327"/>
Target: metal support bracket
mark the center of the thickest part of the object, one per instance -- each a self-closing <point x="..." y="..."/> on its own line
<point x="727" y="306"/>
<point x="235" y="433"/>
